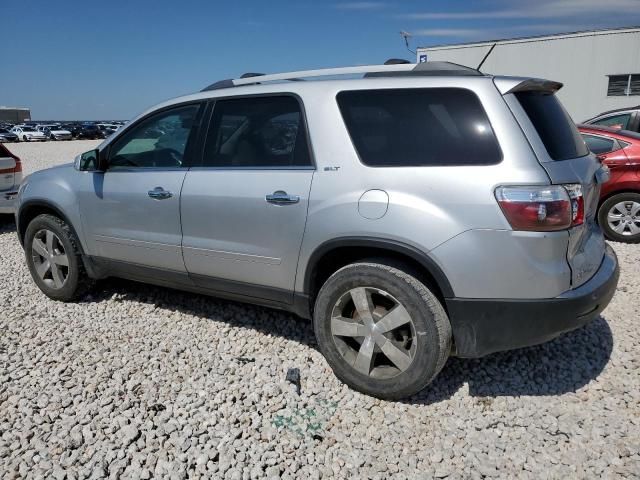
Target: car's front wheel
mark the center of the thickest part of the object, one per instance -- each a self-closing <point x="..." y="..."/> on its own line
<point x="53" y="257"/>
<point x="382" y="331"/>
<point x="619" y="217"/>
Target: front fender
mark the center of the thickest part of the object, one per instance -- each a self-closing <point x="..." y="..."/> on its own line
<point x="49" y="191"/>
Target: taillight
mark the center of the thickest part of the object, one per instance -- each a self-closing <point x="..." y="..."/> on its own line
<point x="577" y="203"/>
<point x="539" y="208"/>
<point x="17" y="168"/>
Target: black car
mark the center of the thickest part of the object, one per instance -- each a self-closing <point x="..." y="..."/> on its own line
<point x="7" y="136"/>
<point x="90" y="132"/>
<point x="74" y="128"/>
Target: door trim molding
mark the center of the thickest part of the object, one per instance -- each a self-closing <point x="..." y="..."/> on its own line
<point x="216" y="287"/>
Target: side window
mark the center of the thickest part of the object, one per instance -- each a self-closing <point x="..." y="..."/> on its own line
<point x="419" y="127"/>
<point x="617" y="121"/>
<point x="600" y="145"/>
<point x="159" y="141"/>
<point x="257" y="132"/>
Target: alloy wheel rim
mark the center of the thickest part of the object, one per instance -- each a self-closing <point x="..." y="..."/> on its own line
<point x="50" y="259"/>
<point x="624" y="218"/>
<point x="373" y="332"/>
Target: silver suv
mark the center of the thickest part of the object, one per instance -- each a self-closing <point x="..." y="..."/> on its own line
<point x="418" y="212"/>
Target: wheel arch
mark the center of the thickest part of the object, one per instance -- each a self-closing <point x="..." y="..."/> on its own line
<point x="334" y="254"/>
<point x="32" y="208"/>
<point x="624" y="189"/>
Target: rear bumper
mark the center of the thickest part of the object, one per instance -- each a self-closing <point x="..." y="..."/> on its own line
<point x="484" y="326"/>
<point x="8" y="201"/>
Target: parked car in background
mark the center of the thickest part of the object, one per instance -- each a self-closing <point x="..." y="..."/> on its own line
<point x="432" y="215"/>
<point x="89" y="131"/>
<point x="619" y="119"/>
<point x="10" y="179"/>
<point x="27" y="133"/>
<point x="108" y="129"/>
<point x="619" y="209"/>
<point x="74" y="128"/>
<point x="57" y="132"/>
<point x="7" y="136"/>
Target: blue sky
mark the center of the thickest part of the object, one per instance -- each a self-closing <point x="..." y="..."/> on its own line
<point x="80" y="59"/>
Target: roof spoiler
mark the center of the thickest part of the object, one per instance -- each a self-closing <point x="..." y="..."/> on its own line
<point x="520" y="84"/>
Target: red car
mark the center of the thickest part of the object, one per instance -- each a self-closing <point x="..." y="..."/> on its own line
<point x="619" y="211"/>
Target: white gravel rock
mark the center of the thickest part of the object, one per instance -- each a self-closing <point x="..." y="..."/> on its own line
<point x="139" y="382"/>
<point x="37" y="156"/>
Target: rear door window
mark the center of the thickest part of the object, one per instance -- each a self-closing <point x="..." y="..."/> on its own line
<point x="257" y="132"/>
<point x="419" y="127"/>
<point x="600" y="145"/>
<point x="553" y="124"/>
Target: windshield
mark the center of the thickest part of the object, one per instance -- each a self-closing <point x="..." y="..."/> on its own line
<point x="4" y="130"/>
<point x="28" y="129"/>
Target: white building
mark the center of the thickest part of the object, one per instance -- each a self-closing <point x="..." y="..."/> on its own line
<point x="600" y="69"/>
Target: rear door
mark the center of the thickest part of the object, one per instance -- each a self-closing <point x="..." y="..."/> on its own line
<point x="7" y="167"/>
<point x="244" y="209"/>
<point x="566" y="158"/>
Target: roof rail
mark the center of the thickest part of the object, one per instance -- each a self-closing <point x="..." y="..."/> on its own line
<point x="394" y="69"/>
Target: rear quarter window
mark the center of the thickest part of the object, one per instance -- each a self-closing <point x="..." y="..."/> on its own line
<point x="419" y="127"/>
<point x="555" y="128"/>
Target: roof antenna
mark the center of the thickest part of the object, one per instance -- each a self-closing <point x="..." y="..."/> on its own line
<point x="486" y="56"/>
<point x="406" y="36"/>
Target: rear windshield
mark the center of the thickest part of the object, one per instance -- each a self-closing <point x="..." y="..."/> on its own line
<point x="553" y="124"/>
<point x="419" y="127"/>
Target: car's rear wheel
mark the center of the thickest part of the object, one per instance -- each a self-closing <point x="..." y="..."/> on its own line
<point x="619" y="217"/>
<point x="53" y="257"/>
<point x="382" y="331"/>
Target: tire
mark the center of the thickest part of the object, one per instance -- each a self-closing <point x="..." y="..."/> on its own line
<point x="627" y="207"/>
<point x="426" y="339"/>
<point x="24" y="138"/>
<point x="76" y="281"/>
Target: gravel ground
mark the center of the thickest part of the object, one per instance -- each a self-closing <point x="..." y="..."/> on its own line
<point x="138" y="381"/>
<point x="36" y="155"/>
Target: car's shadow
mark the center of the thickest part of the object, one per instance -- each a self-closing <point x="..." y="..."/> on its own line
<point x="559" y="366"/>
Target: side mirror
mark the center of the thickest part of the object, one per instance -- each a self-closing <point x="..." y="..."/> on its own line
<point x="91" y="161"/>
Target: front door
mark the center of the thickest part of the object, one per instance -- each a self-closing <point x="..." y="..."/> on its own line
<point x="131" y="212"/>
<point x="244" y="209"/>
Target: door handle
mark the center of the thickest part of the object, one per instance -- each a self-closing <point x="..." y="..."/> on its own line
<point x="159" y="193"/>
<point x="281" y="197"/>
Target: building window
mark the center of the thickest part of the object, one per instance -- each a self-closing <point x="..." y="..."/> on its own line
<point x="623" y="85"/>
